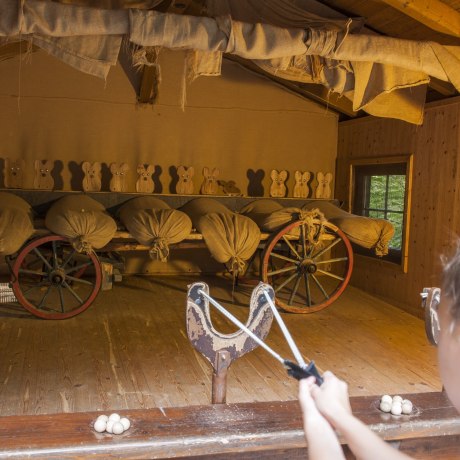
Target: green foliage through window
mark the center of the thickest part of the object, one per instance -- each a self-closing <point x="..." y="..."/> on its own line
<point x="380" y="192"/>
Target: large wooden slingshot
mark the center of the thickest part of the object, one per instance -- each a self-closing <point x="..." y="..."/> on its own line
<point x="222" y="349"/>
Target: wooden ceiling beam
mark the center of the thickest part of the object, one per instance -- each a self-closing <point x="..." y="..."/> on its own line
<point x="432" y="13"/>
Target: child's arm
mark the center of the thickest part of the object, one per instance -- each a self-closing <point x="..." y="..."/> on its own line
<point x="332" y="401"/>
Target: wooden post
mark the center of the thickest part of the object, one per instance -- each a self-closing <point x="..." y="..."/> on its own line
<point x="219" y="377"/>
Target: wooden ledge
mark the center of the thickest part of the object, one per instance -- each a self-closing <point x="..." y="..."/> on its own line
<point x="216" y="430"/>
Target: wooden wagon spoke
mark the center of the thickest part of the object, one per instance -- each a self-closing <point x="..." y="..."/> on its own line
<point x="284" y="283"/>
<point x="307" y="289"/>
<point x="320" y="253"/>
<point x="304" y="240"/>
<point x="296" y="287"/>
<point x="35" y="286"/>
<point x="45" y="296"/>
<point x="78" y="267"/>
<point x="61" y="298"/>
<point x="332" y="275"/>
<point x="79" y="280"/>
<point x="55" y="257"/>
<point x="25" y="271"/>
<point x="67" y="286"/>
<point x="280" y="256"/>
<point x="68" y="258"/>
<point x="291" y="247"/>
<point x="325" y="294"/>
<point x="329" y="261"/>
<point x="40" y="255"/>
<point x="282" y="270"/>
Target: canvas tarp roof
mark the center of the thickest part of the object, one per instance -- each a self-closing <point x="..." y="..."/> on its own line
<point x="377" y="73"/>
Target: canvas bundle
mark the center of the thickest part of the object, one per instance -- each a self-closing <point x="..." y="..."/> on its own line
<point x="367" y="232"/>
<point x="16" y="223"/>
<point x="83" y="221"/>
<point x="271" y="216"/>
<point x="153" y="223"/>
<point x="231" y="238"/>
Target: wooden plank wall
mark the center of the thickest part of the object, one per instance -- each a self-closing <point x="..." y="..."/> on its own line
<point x="434" y="222"/>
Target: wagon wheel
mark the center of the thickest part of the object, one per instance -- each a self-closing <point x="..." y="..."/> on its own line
<point x="53" y="281"/>
<point x="307" y="277"/>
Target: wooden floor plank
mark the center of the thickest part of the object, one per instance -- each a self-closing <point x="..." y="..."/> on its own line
<point x="130" y="351"/>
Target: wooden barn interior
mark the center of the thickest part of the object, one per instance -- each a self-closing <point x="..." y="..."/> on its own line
<point x="93" y="91"/>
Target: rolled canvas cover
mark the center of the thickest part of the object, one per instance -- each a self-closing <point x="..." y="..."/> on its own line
<point x="153" y="223"/>
<point x="269" y="215"/>
<point x="16" y="223"/>
<point x="368" y="232"/>
<point x="82" y="220"/>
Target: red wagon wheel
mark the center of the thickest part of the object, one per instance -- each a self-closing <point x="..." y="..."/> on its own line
<point x="53" y="281"/>
<point x="307" y="277"/>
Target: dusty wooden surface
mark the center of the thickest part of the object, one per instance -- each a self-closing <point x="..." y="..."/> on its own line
<point x="215" y="430"/>
<point x="130" y="350"/>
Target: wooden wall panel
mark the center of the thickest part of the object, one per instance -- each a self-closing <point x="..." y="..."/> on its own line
<point x="434" y="219"/>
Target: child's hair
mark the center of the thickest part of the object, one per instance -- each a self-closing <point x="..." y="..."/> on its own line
<point x="451" y="282"/>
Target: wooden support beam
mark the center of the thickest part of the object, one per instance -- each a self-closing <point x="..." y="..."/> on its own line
<point x="251" y="430"/>
<point x="432" y="13"/>
<point x="310" y="91"/>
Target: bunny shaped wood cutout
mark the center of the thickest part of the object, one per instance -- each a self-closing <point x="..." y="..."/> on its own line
<point x="184" y="184"/>
<point x="42" y="178"/>
<point x="278" y="187"/>
<point x="92" y="176"/>
<point x="14" y="173"/>
<point x="301" y="189"/>
<point x="323" y="190"/>
<point x="144" y="181"/>
<point x="210" y="184"/>
<point x="118" y="180"/>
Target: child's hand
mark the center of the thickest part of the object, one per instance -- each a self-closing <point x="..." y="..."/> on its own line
<point x="321" y="437"/>
<point x="331" y="398"/>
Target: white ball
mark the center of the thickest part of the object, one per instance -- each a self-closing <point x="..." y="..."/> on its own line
<point x="100" y="425"/>
<point x="385" y="406"/>
<point x="386" y="398"/>
<point x="125" y="422"/>
<point x="114" y="417"/>
<point x="103" y="417"/>
<point x="117" y="428"/>
<point x="396" y="409"/>
<point x="109" y="426"/>
<point x="407" y="407"/>
<point x="397" y="398"/>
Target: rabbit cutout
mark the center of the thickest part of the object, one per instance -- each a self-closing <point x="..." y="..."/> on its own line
<point x="301" y="189"/>
<point x="323" y="190"/>
<point x="92" y="181"/>
<point x="144" y="181"/>
<point x="184" y="185"/>
<point x="14" y="173"/>
<point x="278" y="187"/>
<point x="42" y="178"/>
<point x="209" y="185"/>
<point x="118" y="180"/>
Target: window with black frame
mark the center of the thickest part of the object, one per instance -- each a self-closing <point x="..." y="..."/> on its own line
<point x="381" y="191"/>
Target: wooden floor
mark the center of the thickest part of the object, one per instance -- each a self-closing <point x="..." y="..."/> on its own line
<point x="130" y="350"/>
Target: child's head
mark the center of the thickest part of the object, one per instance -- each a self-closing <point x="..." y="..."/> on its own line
<point x="449" y="340"/>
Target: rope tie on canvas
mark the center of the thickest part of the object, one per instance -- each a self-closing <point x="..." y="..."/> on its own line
<point x="159" y="249"/>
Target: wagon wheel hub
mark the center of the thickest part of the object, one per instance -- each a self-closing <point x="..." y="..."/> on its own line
<point x="308" y="266"/>
<point x="57" y="277"/>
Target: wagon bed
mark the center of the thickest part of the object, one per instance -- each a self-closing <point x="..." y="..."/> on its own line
<point x="309" y="263"/>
